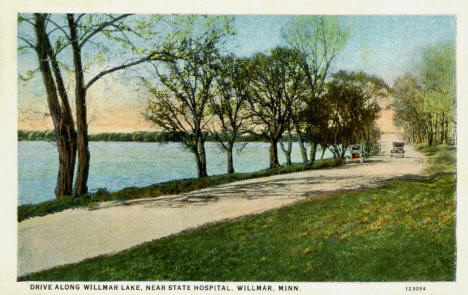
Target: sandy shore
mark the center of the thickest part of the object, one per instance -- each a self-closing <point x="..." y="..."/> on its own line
<point x="73" y="235"/>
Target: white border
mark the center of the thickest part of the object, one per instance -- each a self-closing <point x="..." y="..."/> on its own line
<point x="8" y="113"/>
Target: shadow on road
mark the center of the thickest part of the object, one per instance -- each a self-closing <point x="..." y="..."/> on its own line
<point x="270" y="188"/>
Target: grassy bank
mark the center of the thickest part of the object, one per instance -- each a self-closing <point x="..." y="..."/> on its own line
<point x="166" y="188"/>
<point x="404" y="231"/>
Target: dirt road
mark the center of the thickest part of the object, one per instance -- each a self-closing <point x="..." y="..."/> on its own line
<point x="73" y="235"/>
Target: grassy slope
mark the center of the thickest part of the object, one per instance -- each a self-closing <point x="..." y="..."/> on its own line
<point x="166" y="188"/>
<point x="402" y="232"/>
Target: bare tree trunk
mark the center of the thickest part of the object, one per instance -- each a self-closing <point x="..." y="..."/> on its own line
<point x="368" y="140"/>
<point x="302" y="148"/>
<point x="430" y="132"/>
<point x="84" y="156"/>
<point x="287" y="151"/>
<point x="324" y="148"/>
<point x="66" y="137"/>
<point x="197" y="161"/>
<point x="446" y="129"/>
<point x="202" y="158"/>
<point x="442" y="128"/>
<point x="423" y="135"/>
<point x="66" y="140"/>
<point x="343" y="151"/>
<point x="274" y="163"/>
<point x="313" y="151"/>
<point x="230" y="162"/>
<point x="61" y="116"/>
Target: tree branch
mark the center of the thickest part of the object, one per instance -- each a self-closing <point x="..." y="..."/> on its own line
<point x="101" y="27"/>
<point x="121" y="67"/>
<point x="28" y="21"/>
<point x="27" y="42"/>
<point x="60" y="28"/>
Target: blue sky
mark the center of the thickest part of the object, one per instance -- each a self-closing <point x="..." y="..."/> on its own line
<point x="386" y="46"/>
<point x="393" y="43"/>
<point x="382" y="45"/>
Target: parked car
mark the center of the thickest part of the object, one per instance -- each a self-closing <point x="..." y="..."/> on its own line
<point x="356" y="153"/>
<point x="398" y="150"/>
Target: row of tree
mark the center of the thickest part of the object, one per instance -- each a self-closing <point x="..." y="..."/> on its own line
<point x="425" y="101"/>
<point x="198" y="90"/>
<point x="284" y="91"/>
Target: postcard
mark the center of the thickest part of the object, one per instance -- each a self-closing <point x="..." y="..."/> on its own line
<point x="304" y="147"/>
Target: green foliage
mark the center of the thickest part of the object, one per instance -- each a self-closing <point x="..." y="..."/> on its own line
<point x="29" y="135"/>
<point x="277" y="83"/>
<point x="404" y="231"/>
<point x="179" y="103"/>
<point x="199" y="27"/>
<point x="438" y="73"/>
<point x="425" y="103"/>
<point x="441" y="159"/>
<point x="229" y="104"/>
<point x="29" y="74"/>
<point x="319" y="37"/>
<point x="352" y="104"/>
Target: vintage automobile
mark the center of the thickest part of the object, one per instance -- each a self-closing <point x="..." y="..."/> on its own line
<point x="398" y="150"/>
<point x="355" y="153"/>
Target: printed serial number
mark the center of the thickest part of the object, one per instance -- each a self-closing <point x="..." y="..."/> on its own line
<point x="416" y="288"/>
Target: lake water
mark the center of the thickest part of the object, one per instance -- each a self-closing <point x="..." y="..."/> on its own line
<point x="116" y="165"/>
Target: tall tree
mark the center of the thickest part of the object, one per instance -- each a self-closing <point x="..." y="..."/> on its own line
<point x="439" y="89"/>
<point x="315" y="118"/>
<point x="229" y="104"/>
<point x="107" y="26"/>
<point x="82" y="32"/>
<point x="180" y="103"/>
<point x="278" y="82"/>
<point x="425" y="102"/>
<point x="408" y="107"/>
<point x="60" y="111"/>
<point x="354" y="107"/>
<point x="319" y="38"/>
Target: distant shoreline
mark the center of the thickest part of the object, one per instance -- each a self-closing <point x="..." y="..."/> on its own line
<point x="140" y="136"/>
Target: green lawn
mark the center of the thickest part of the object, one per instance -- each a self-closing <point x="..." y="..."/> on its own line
<point x="404" y="231"/>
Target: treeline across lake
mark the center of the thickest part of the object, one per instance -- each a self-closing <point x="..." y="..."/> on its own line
<point x="141" y="136"/>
